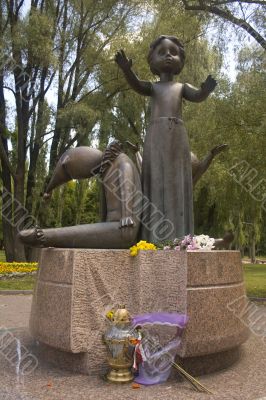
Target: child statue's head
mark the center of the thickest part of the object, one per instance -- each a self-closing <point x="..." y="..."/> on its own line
<point x="166" y="54"/>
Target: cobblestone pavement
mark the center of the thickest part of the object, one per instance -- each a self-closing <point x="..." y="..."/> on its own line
<point x="15" y="310"/>
<point x="245" y="380"/>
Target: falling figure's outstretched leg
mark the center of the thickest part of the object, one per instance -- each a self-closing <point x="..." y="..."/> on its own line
<point x="98" y="236"/>
<point x="78" y="163"/>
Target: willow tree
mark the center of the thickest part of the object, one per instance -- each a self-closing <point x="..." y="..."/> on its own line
<point x="43" y="43"/>
<point x="26" y="55"/>
<point x="233" y="193"/>
<point x="128" y="113"/>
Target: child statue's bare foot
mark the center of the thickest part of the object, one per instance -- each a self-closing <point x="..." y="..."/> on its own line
<point x="32" y="237"/>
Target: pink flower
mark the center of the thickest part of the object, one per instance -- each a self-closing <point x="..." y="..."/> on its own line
<point x="177" y="248"/>
<point x="187" y="240"/>
<point x="192" y="246"/>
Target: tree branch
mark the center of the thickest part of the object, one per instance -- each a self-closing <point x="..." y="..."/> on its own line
<point x="46" y="133"/>
<point x="45" y="141"/>
<point x="256" y="2"/>
<point x="19" y="7"/>
<point x="97" y="87"/>
<point x="36" y="98"/>
<point x="8" y="88"/>
<point x="228" y="16"/>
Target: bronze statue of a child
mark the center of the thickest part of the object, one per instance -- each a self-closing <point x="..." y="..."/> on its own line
<point x="166" y="169"/>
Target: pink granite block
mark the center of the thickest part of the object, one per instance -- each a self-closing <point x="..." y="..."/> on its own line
<point x="76" y="287"/>
<point x="216" y="267"/>
<point x="213" y="327"/>
<point x="50" y="320"/>
<point x="96" y="281"/>
<point x="56" y="265"/>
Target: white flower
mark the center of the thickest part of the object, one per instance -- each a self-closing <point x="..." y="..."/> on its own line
<point x="204" y="242"/>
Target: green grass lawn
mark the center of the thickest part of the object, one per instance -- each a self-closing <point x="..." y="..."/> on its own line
<point x="255" y="279"/>
<point x="24" y="283"/>
<point x="2" y="256"/>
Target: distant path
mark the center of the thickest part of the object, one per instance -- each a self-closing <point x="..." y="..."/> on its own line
<point x="258" y="261"/>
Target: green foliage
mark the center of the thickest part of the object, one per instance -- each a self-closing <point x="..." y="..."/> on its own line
<point x="77" y="40"/>
<point x="127" y="117"/>
<point x="77" y="202"/>
<point x="90" y="212"/>
<point x="38" y="41"/>
<point x="78" y="116"/>
<point x="227" y="196"/>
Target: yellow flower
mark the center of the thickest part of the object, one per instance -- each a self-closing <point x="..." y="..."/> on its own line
<point x="141" y="245"/>
<point x="110" y="315"/>
<point x="133" y="251"/>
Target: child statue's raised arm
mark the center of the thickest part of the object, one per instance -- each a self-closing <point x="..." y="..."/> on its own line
<point x="193" y="94"/>
<point x="142" y="87"/>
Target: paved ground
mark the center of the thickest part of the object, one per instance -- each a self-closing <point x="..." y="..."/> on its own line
<point x="246" y="380"/>
<point x="14" y="311"/>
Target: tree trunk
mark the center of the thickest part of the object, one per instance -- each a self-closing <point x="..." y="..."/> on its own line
<point x="19" y="210"/>
<point x="19" y="215"/>
<point x="6" y="211"/>
<point x="39" y="130"/>
<point x="8" y="238"/>
<point x="80" y="194"/>
<point x="60" y="97"/>
<point x="253" y="249"/>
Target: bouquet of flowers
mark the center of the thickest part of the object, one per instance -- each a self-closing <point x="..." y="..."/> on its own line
<point x="189" y="242"/>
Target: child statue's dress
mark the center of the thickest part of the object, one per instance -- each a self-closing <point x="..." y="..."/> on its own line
<point x="166" y="169"/>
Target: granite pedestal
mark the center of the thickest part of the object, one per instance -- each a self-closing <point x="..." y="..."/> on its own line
<point x="76" y="287"/>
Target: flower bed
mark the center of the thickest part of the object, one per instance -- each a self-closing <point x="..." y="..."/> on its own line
<point x="17" y="269"/>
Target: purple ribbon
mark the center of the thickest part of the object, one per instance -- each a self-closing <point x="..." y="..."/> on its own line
<point x="161" y="318"/>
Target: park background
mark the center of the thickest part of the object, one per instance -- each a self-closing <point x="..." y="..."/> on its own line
<point x="60" y="88"/>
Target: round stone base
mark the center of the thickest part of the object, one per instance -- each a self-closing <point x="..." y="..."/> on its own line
<point x="210" y="363"/>
<point x="80" y="363"/>
<point x="76" y="287"/>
